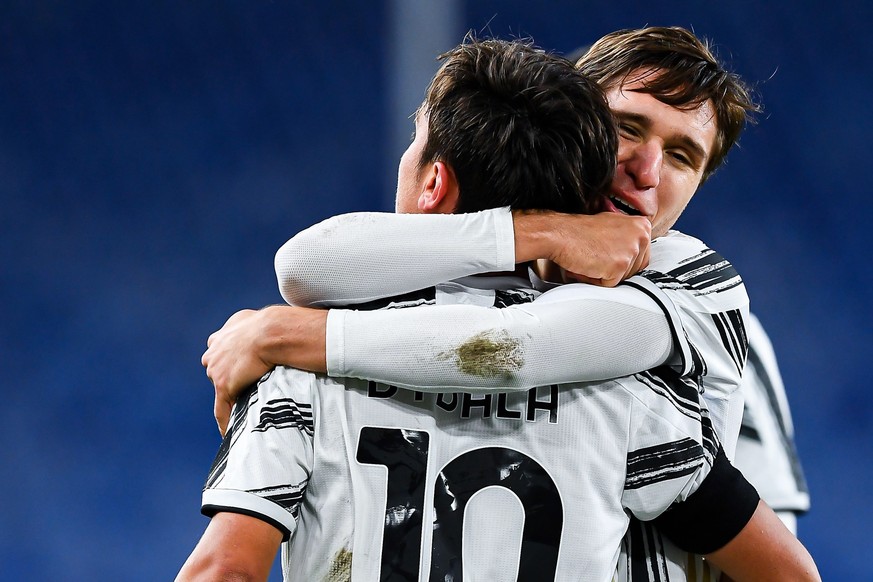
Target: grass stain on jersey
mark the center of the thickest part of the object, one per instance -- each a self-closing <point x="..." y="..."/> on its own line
<point x="340" y="567"/>
<point x="488" y="354"/>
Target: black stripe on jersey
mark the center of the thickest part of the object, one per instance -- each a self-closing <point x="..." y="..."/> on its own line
<point x="748" y="430"/>
<point x="286" y="413"/>
<point x="507" y="297"/>
<point x="733" y="335"/>
<point x="748" y="427"/>
<point x="689" y="361"/>
<point x="288" y="497"/>
<point x="760" y="370"/>
<point x="234" y="429"/>
<point x="662" y="462"/>
<point x="682" y="392"/>
<point x="698" y="364"/>
<point x="708" y="272"/>
<point x="647" y="561"/>
<point x="710" y="440"/>
<point x="411" y="299"/>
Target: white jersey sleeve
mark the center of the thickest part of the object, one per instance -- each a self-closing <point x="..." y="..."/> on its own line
<point x="352" y="258"/>
<point x="572" y="333"/>
<point x="672" y="446"/>
<point x="246" y="477"/>
<point x="766" y="453"/>
<point x="713" y="307"/>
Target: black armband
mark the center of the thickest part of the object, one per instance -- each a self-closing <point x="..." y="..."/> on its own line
<point x="714" y="514"/>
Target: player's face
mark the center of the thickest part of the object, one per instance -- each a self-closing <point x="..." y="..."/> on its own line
<point x="409" y="174"/>
<point x="662" y="153"/>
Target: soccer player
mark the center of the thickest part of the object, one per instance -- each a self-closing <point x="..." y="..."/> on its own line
<point x="766" y="453"/>
<point x="371" y="482"/>
<point x="679" y="113"/>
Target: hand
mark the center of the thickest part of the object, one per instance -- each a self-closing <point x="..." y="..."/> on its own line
<point x="603" y="249"/>
<point x="251" y="343"/>
<point x="232" y="361"/>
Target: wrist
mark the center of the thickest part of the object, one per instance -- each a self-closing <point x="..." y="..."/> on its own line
<point x="293" y="336"/>
<point x="534" y="233"/>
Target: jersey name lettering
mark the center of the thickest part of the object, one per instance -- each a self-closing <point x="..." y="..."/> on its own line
<point x="484" y="405"/>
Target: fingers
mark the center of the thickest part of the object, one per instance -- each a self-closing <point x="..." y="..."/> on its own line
<point x="221" y="410"/>
<point x="222" y="365"/>
<point x="600" y="282"/>
<point x="644" y="257"/>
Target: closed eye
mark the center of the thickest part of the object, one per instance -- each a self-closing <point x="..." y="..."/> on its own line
<point x="681" y="158"/>
<point x="628" y="130"/>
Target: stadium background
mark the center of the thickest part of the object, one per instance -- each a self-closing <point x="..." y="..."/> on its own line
<point x="153" y="155"/>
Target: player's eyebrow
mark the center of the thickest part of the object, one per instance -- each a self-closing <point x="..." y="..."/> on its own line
<point x="695" y="149"/>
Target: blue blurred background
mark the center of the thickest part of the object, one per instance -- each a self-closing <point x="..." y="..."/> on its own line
<point x="154" y="155"/>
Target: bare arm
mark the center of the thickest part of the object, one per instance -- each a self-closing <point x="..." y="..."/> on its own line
<point x="602" y="249"/>
<point x="765" y="550"/>
<point x="233" y="547"/>
<point x="726" y="521"/>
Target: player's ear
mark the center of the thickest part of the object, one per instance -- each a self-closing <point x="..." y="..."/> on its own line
<point x="440" y="193"/>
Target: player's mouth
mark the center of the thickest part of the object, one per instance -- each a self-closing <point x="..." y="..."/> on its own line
<point x="623" y="207"/>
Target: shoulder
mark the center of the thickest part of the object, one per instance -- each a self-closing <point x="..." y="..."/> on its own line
<point x="684" y="264"/>
<point x="283" y="398"/>
<point x="686" y="258"/>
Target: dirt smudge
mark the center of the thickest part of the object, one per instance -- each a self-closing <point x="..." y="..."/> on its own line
<point x="488" y="354"/>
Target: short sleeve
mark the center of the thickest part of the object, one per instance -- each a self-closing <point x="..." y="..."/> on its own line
<point x="672" y="445"/>
<point x="264" y="462"/>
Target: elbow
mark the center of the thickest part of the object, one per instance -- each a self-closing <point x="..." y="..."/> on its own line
<point x="288" y="264"/>
<point x="299" y="261"/>
<point x="217" y="569"/>
<point x="296" y="268"/>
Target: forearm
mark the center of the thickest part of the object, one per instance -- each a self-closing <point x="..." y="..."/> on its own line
<point x="354" y="258"/>
<point x="466" y="347"/>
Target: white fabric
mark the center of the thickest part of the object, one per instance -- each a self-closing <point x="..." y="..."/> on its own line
<point x="602" y="334"/>
<point x="301" y="442"/>
<point x="766" y="453"/>
<point x="657" y="559"/>
<point x="703" y="304"/>
<point x="572" y="333"/>
<point x="356" y="253"/>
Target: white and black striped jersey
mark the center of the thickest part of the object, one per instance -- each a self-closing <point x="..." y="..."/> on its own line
<point x="687" y="310"/>
<point x="380" y="483"/>
<point x="766" y="453"/>
<point x="689" y="295"/>
<point x="712" y="306"/>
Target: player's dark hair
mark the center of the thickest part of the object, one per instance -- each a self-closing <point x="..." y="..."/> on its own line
<point x="520" y="128"/>
<point x="686" y="74"/>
